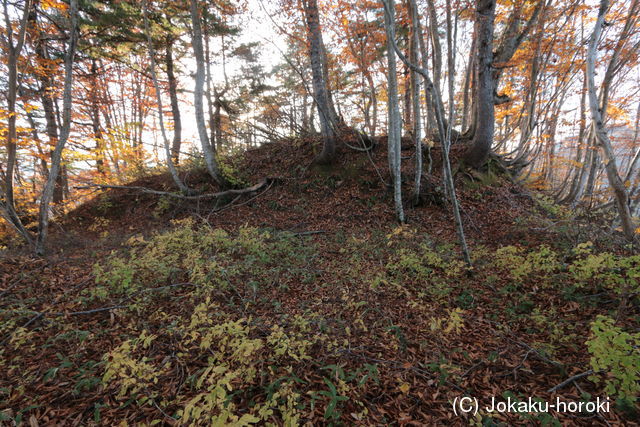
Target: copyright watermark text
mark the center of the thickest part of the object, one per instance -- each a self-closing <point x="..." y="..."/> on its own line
<point x="471" y="405"/>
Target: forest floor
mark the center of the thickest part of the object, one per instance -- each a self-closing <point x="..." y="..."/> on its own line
<point x="307" y="303"/>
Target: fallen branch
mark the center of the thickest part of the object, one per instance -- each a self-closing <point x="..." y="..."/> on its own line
<point x="538" y="354"/>
<point x="93" y="311"/>
<point x="346" y="144"/>
<point x="241" y="191"/>
<point x="159" y="288"/>
<point x="307" y="233"/>
<point x="13" y="285"/>
<point x="231" y="204"/>
<point x="43" y="314"/>
<point x="570" y="380"/>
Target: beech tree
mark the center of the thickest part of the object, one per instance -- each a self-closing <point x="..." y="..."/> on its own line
<point x="47" y="192"/>
<point x="170" y="155"/>
<point x="485" y="87"/>
<point x="207" y="148"/>
<point x="13" y="44"/>
<point x="444" y="136"/>
<point x="394" y="125"/>
<point x="321" y="94"/>
<point x="618" y="187"/>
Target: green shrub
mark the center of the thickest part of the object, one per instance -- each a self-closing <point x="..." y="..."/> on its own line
<point x="620" y="274"/>
<point x="196" y="254"/>
<point x="617" y="354"/>
<point x="521" y="264"/>
<point x="239" y="358"/>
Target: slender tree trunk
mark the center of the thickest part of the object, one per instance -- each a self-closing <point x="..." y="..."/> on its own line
<point x="305" y="113"/>
<point x="44" y="168"/>
<point x="208" y="93"/>
<point x="447" y="140"/>
<point x="551" y="143"/>
<point x="207" y="148"/>
<point x="468" y="76"/>
<point x="374" y="105"/>
<point x="46" y="89"/>
<point x="436" y="56"/>
<point x="175" y="106"/>
<point x="582" y="151"/>
<point x="217" y="120"/>
<point x="633" y="164"/>
<point x="415" y="98"/>
<point x="154" y="77"/>
<point x="96" y="126"/>
<point x="480" y="148"/>
<point x="407" y="96"/>
<point x="395" y="122"/>
<point x="441" y="128"/>
<point x="435" y="106"/>
<point x="8" y="206"/>
<point x="47" y="193"/>
<point x="620" y="191"/>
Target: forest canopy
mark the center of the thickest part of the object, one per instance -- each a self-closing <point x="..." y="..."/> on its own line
<point x="98" y="92"/>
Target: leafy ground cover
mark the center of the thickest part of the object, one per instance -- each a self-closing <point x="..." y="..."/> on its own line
<point x="307" y="304"/>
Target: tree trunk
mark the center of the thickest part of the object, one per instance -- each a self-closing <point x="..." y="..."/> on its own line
<point x="435" y="44"/>
<point x="582" y="152"/>
<point x="47" y="193"/>
<point x="619" y="190"/>
<point x="217" y="120"/>
<point x="8" y="206"/>
<point x="633" y="164"/>
<point x="480" y="148"/>
<point x="207" y="148"/>
<point x="96" y="126"/>
<point x="395" y="125"/>
<point x="415" y="98"/>
<point x="443" y="135"/>
<point x="407" y="99"/>
<point x="447" y="138"/>
<point x="374" y="104"/>
<point x="468" y="76"/>
<point x="46" y="89"/>
<point x="435" y="106"/>
<point x="322" y="96"/>
<point x="154" y="77"/>
<point x="175" y="106"/>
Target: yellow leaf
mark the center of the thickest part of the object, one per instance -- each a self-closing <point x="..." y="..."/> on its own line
<point x="404" y="388"/>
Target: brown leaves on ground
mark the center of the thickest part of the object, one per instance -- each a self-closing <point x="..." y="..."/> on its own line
<point x="421" y="367"/>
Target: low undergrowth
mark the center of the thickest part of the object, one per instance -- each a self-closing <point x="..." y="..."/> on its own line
<point x="256" y="326"/>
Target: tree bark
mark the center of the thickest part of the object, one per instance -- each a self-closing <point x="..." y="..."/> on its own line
<point x="96" y="126"/>
<point x="435" y="93"/>
<point x="321" y="93"/>
<point x="8" y="205"/>
<point x="47" y="193"/>
<point x="468" y="76"/>
<point x="46" y="89"/>
<point x="619" y="190"/>
<point x="415" y="98"/>
<point x="436" y="57"/>
<point x="175" y="106"/>
<point x="394" y="125"/>
<point x="167" y="150"/>
<point x="478" y="153"/>
<point x="207" y="149"/>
